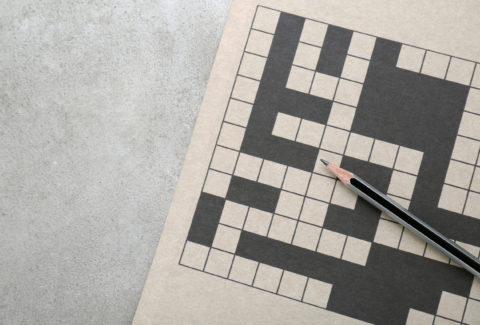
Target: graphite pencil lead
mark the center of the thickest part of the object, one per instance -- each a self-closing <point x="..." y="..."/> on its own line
<point x="324" y="162"/>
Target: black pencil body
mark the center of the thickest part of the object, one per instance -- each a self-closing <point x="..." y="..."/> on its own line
<point x="416" y="225"/>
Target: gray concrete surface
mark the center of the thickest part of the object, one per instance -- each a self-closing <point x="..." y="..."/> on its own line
<point x="97" y="104"/>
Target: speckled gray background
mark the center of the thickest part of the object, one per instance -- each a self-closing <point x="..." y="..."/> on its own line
<point x="97" y="104"/>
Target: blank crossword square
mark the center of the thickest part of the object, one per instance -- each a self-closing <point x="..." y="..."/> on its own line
<point x="231" y="136"/>
<point x="306" y="56"/>
<point x="258" y="221"/>
<point x="272" y="173"/>
<point x="289" y="204"/>
<point x="355" y="69"/>
<point x="331" y="243"/>
<point x="300" y="79"/>
<point x="218" y="262"/>
<point x="459" y="174"/>
<point x="314" y="211"/>
<point x="383" y="153"/>
<point x="348" y="92"/>
<point x="451" y="306"/>
<point x="313" y="32"/>
<point x="238" y="112"/>
<point x="266" y="19"/>
<point x="217" y="183"/>
<point x="282" y="228"/>
<point x="224" y="159"/>
<point x="452" y="198"/>
<point x="248" y="166"/>
<point x="245" y="89"/>
<point x="226" y="238"/>
<point x="356" y="250"/>
<point x="460" y="71"/>
<point x="267" y="278"/>
<point x="310" y="133"/>
<point x="408" y="160"/>
<point x="469" y="126"/>
<point x="410" y="58"/>
<point x="306" y="236"/>
<point x="341" y="116"/>
<point x="286" y="126"/>
<point x="466" y="150"/>
<point x="252" y="66"/>
<point x="194" y="255"/>
<point x="259" y="43"/>
<point x="243" y="270"/>
<point x="334" y="139"/>
<point x="317" y="293"/>
<point x="435" y="64"/>
<point x="324" y="85"/>
<point x="292" y="285"/>
<point x="361" y="45"/>
<point x="359" y="146"/>
<point x="233" y="214"/>
<point x="296" y="180"/>
<point x="321" y="188"/>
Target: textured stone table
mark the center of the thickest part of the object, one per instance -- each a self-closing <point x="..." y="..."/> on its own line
<point x="97" y="105"/>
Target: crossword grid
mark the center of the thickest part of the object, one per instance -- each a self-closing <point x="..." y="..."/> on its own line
<point x="304" y="197"/>
<point x="406" y="162"/>
<point x="462" y="181"/>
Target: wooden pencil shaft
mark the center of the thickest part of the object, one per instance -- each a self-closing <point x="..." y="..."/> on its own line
<point x="416" y="225"/>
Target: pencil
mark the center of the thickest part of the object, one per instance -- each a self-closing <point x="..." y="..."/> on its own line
<point x="406" y="218"/>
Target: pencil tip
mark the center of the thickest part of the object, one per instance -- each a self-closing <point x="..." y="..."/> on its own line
<point x="324" y="162"/>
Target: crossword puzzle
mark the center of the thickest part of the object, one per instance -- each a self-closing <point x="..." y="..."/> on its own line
<point x="272" y="217"/>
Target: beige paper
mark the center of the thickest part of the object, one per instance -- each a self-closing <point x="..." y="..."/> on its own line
<point x="176" y="294"/>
